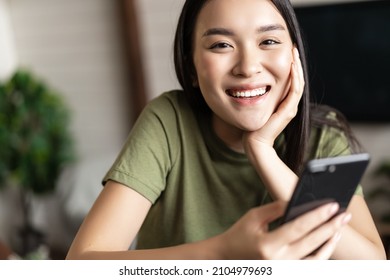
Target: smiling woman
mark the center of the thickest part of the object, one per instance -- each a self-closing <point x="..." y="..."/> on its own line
<point x="248" y="60"/>
<point x="229" y="146"/>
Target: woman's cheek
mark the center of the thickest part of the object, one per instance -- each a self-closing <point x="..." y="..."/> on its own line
<point x="283" y="62"/>
<point x="206" y="68"/>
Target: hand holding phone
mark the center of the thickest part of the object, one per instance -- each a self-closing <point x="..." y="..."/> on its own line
<point x="326" y="180"/>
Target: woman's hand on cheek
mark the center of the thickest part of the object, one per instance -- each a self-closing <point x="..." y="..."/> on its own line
<point x="286" y="110"/>
<point x="278" y="178"/>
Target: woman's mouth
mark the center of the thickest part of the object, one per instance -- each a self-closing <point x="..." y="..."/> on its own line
<point x="248" y="93"/>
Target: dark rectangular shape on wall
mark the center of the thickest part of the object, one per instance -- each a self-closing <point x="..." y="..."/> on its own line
<point x="348" y="47"/>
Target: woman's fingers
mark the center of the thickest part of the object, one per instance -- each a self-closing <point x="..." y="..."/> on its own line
<point x="269" y="212"/>
<point x="288" y="108"/>
<point x="304" y="224"/>
<point x="305" y="234"/>
<point x="326" y="250"/>
<point x="298" y="81"/>
<point x="320" y="236"/>
<point x="244" y="240"/>
<point x="312" y="235"/>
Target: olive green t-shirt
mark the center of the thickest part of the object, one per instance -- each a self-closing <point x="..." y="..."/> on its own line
<point x="198" y="186"/>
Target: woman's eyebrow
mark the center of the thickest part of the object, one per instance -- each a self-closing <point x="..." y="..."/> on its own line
<point x="228" y="32"/>
<point x="271" y="27"/>
<point x="218" y="31"/>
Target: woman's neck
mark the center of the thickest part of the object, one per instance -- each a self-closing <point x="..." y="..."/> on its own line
<point x="229" y="134"/>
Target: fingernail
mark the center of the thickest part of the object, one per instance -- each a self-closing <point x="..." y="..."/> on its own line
<point x="296" y="51"/>
<point x="337" y="237"/>
<point x="333" y="208"/>
<point x="347" y="217"/>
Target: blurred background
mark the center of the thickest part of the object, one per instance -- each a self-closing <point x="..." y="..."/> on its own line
<point x="106" y="59"/>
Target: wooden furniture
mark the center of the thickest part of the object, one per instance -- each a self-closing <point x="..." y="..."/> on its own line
<point x="134" y="56"/>
<point x="5" y="251"/>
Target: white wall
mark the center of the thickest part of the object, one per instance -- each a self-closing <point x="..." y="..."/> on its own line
<point x="7" y="43"/>
<point x="77" y="48"/>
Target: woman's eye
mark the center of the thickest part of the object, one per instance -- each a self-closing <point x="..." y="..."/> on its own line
<point x="270" y="42"/>
<point x="220" y="46"/>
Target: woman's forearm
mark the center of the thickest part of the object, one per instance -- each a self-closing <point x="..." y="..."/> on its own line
<point x="207" y="249"/>
<point x="279" y="179"/>
<point x="360" y="239"/>
<point x="353" y="245"/>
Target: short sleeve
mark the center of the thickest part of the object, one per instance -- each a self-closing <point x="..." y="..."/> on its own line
<point x="146" y="157"/>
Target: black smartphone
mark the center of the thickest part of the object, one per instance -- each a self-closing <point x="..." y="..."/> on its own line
<point x="326" y="180"/>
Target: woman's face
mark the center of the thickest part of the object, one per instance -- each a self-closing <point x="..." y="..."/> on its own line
<point x="242" y="57"/>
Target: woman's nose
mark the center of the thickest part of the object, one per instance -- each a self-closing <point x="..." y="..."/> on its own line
<point x="248" y="63"/>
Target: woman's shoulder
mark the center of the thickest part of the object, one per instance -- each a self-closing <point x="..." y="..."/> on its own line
<point x="172" y="98"/>
<point x="331" y="133"/>
<point x="170" y="109"/>
<point x="325" y="117"/>
<point x="166" y="105"/>
<point x="175" y="97"/>
<point x="321" y="114"/>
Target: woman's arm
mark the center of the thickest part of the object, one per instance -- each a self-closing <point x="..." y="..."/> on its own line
<point x="360" y="239"/>
<point x="276" y="175"/>
<point x="118" y="213"/>
<point x="112" y="225"/>
<point x="279" y="179"/>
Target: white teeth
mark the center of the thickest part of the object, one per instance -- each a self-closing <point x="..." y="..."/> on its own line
<point x="249" y="93"/>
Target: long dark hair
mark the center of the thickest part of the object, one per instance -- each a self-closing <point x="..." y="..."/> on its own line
<point x="297" y="131"/>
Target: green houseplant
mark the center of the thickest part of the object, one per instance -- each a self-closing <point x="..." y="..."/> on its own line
<point x="35" y="143"/>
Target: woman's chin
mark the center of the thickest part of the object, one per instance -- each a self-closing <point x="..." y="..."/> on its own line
<point x="253" y="126"/>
